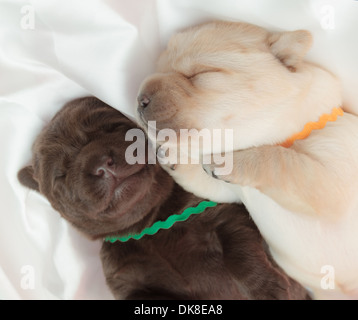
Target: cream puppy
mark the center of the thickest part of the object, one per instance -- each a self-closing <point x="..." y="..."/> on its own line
<point x="239" y="76"/>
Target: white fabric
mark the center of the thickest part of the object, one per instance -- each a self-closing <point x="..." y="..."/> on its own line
<point x="52" y="51"/>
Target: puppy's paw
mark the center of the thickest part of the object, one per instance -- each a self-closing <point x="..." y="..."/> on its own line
<point x="210" y="170"/>
<point x="168" y="163"/>
<point x="215" y="171"/>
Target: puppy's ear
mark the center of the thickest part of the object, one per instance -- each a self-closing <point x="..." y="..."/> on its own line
<point x="26" y="177"/>
<point x="290" y="47"/>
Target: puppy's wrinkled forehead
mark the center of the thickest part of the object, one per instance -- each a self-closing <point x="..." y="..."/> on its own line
<point x="74" y="126"/>
<point x="79" y="120"/>
<point x="203" y="45"/>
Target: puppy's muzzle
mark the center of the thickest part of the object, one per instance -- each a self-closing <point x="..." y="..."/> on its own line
<point x="143" y="101"/>
<point x="105" y="168"/>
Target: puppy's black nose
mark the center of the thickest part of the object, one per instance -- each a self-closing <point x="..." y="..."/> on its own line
<point x="105" y="168"/>
<point x="143" y="101"/>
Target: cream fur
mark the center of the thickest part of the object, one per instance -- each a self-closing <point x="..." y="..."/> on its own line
<point x="304" y="198"/>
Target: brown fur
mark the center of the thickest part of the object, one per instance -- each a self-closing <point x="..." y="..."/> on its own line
<point x="216" y="255"/>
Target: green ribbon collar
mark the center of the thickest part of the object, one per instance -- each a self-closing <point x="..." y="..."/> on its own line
<point x="168" y="223"/>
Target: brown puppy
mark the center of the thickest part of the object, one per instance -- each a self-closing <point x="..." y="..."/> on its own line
<point x="79" y="164"/>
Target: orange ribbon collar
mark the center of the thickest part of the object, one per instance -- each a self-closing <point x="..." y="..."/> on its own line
<point x="310" y="126"/>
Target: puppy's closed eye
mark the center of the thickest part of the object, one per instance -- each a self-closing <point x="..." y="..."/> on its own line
<point x="203" y="71"/>
<point x="60" y="175"/>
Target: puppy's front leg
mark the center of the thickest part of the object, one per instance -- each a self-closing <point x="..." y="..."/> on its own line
<point x="295" y="180"/>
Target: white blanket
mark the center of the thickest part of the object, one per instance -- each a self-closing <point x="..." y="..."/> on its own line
<point x="52" y="51"/>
